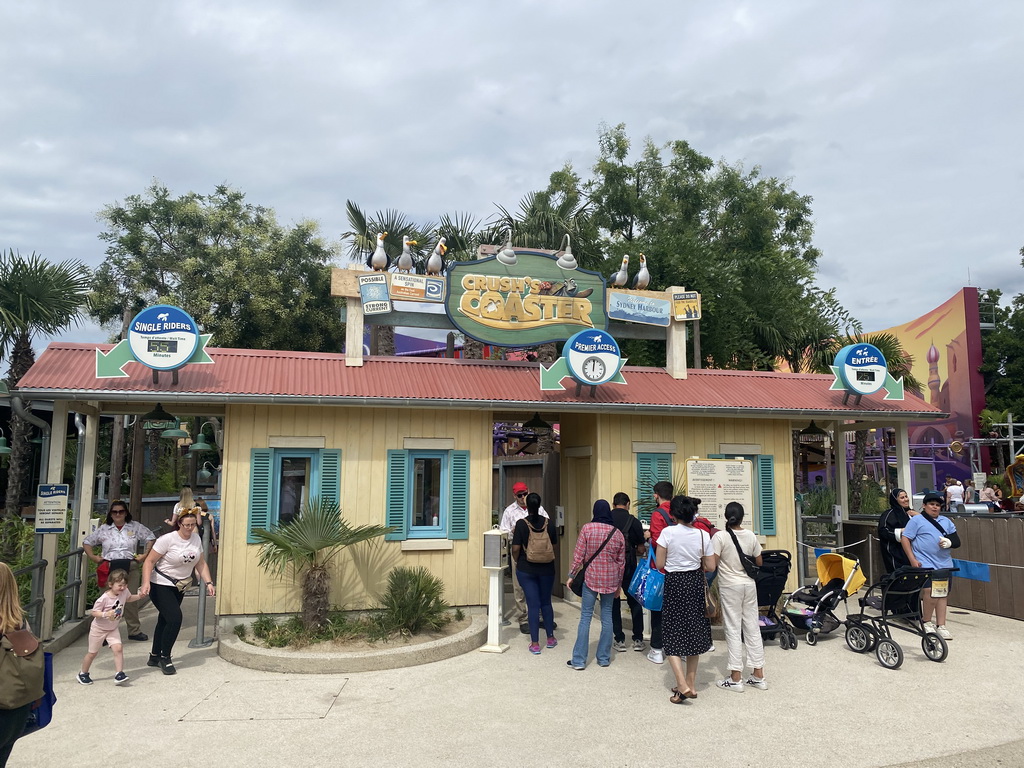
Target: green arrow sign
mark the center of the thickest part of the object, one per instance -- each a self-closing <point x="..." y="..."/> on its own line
<point x="551" y="378"/>
<point x="200" y="356"/>
<point x="110" y="365"/>
<point x="893" y="387"/>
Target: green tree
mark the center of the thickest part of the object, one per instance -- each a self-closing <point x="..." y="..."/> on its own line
<point x="1002" y="365"/>
<point x="306" y="547"/>
<point x="247" y="280"/>
<point x="36" y="297"/>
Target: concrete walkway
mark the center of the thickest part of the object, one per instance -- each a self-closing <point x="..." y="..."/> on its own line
<point x="826" y="706"/>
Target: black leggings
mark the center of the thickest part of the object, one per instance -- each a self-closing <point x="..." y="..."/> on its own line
<point x="12" y="723"/>
<point x="168" y="605"/>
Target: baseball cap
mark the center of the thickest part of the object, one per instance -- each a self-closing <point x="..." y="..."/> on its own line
<point x="520" y="488"/>
<point x="932" y="497"/>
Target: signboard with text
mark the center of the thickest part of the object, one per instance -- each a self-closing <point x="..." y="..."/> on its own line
<point x="373" y="292"/>
<point x="52" y="508"/>
<point x="716" y="482"/>
<point x="533" y="302"/>
<point x="631" y="308"/>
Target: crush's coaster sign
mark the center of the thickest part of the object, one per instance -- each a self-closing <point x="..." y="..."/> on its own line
<point x="531" y="303"/>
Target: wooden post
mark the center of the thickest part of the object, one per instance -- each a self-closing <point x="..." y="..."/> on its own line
<point x="675" y="343"/>
<point x="354" y="333"/>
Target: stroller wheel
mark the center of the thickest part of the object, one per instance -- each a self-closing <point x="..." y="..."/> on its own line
<point x="792" y="641"/>
<point x="858" y="637"/>
<point x="784" y="641"/>
<point x="812" y="639"/>
<point x="934" y="647"/>
<point x="889" y="654"/>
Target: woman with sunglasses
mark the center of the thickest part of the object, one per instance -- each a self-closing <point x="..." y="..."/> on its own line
<point x="174" y="557"/>
<point x="120" y="539"/>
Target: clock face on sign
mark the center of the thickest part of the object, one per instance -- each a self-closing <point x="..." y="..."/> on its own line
<point x="592" y="356"/>
<point x="862" y="368"/>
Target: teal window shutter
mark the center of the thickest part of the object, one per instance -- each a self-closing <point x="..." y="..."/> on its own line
<point x="458" y="496"/>
<point x="766" y="487"/>
<point x="651" y="468"/>
<point x="330" y="475"/>
<point x="396" y="512"/>
<point x="260" y="490"/>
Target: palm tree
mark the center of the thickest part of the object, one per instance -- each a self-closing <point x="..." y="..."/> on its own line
<point x="307" y="545"/>
<point x="36" y="297"/>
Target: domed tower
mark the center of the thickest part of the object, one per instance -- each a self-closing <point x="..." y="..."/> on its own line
<point x="934" y="384"/>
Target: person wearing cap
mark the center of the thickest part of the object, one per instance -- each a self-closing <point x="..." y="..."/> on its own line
<point x="926" y="543"/>
<point x="513" y="513"/>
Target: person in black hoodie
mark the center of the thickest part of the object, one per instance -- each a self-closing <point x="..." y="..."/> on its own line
<point x="892" y="520"/>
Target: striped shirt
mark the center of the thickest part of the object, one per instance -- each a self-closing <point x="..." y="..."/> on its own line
<point x="604" y="574"/>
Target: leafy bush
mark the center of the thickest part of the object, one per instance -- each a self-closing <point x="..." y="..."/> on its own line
<point x="263" y="626"/>
<point x="414" y="600"/>
<point x="241" y="631"/>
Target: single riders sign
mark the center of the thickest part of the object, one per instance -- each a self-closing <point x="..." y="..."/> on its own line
<point x="531" y="303"/>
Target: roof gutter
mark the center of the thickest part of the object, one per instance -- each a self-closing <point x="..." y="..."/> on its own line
<point x="469" y="405"/>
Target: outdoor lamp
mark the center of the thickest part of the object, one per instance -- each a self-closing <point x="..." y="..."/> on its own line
<point x="813" y="434"/>
<point x="158" y="414"/>
<point x="200" y="444"/>
<point x="175" y="433"/>
<point x="4" y="450"/>
<point x="204" y="475"/>
<point x="536" y="423"/>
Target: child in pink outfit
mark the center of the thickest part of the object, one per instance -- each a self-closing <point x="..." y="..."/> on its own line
<point x="107" y="612"/>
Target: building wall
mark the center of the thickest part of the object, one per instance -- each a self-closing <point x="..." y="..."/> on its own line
<point x="613" y="463"/>
<point x="364" y="435"/>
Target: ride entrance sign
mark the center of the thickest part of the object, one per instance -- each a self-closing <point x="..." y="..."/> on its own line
<point x="161" y="337"/>
<point x="861" y="369"/>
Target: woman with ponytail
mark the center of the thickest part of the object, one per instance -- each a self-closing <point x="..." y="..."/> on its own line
<point x="738" y="594"/>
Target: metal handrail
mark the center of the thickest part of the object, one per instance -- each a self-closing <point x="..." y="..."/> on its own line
<point x="35" y="616"/>
<point x="74" y="586"/>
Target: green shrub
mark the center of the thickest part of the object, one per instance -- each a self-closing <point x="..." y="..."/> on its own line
<point x="414" y="600"/>
<point x="241" y="631"/>
<point x="459" y="614"/>
<point x="263" y="626"/>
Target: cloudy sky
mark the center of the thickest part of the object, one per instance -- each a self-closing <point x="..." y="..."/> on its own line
<point x="904" y="121"/>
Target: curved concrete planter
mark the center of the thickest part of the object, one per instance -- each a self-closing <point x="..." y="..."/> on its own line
<point x="387" y="657"/>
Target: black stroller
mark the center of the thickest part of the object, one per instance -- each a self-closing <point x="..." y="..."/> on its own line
<point x="771" y="581"/>
<point x="897" y="598"/>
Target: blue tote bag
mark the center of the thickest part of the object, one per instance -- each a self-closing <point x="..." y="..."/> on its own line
<point x="648" y="585"/>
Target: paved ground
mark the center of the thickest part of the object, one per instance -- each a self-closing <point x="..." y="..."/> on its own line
<point x="825" y="706"/>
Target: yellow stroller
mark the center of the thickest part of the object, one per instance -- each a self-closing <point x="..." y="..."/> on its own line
<point x="813" y="608"/>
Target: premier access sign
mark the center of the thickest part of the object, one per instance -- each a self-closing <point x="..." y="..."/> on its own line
<point x="590" y="357"/>
<point x="160" y="337"/>
<point x="861" y="369"/>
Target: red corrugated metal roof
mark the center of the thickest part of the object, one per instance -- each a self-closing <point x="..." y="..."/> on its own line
<point x="67" y="371"/>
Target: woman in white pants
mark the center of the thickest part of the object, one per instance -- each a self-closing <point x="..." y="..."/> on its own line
<point x="738" y="595"/>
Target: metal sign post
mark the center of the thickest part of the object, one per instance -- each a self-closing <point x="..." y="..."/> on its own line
<point x="201" y="641"/>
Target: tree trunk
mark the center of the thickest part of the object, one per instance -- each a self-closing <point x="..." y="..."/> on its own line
<point x="316" y="585"/>
<point x="19" y="470"/>
<point x="860" y="444"/>
<point x="472" y="349"/>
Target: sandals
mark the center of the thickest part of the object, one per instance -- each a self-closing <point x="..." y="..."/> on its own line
<point x="678" y="698"/>
<point x="683" y="694"/>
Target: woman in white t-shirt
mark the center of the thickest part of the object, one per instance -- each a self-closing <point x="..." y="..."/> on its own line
<point x="685" y="554"/>
<point x="738" y="594"/>
<point x="175" y="556"/>
<point x="954" y="495"/>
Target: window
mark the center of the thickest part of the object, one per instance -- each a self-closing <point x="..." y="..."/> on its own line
<point x="427" y="494"/>
<point x="284" y="479"/>
<point x="651" y="468"/>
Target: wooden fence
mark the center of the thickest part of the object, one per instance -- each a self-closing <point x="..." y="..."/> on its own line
<point x="995" y="540"/>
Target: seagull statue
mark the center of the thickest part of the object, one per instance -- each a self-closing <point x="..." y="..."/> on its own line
<point x="506" y="255"/>
<point x="379" y="260"/>
<point x="405" y="260"/>
<point x="643" y="277"/>
<point x="435" y="262"/>
<point x="567" y="260"/>
<point x="621" y="278"/>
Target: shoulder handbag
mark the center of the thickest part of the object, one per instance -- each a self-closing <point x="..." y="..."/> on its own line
<point x="648" y="584"/>
<point x="954" y="537"/>
<point x="748" y="563"/>
<point x="22" y="669"/>
<point x="181" y="584"/>
<point x="577" y="578"/>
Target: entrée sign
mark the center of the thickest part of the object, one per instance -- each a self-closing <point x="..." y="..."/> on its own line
<point x="533" y="302"/>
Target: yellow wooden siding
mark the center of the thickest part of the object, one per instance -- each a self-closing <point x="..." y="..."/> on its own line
<point x="364" y="435"/>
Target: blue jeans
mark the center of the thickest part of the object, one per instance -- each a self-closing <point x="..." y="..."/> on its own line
<point x="604" y="642"/>
<point x="537" y="591"/>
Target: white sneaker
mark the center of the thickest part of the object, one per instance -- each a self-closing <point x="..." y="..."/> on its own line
<point x="929" y="627"/>
<point x="656" y="655"/>
<point x="711" y="648"/>
<point x="757" y="682"/>
<point x="944" y="633"/>
<point x="728" y="684"/>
